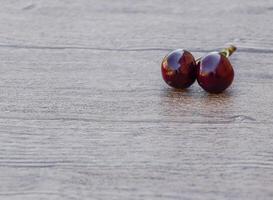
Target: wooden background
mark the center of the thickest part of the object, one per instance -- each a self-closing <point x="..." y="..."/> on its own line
<point x="85" y="114"/>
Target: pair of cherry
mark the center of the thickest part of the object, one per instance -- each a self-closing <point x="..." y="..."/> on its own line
<point x="214" y="72"/>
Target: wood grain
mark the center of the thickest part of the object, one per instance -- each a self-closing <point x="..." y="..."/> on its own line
<point x="84" y="113"/>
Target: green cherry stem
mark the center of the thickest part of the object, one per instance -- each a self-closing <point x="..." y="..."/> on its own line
<point x="228" y="51"/>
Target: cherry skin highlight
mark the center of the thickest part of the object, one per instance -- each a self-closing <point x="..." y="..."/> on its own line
<point x="179" y="69"/>
<point x="214" y="73"/>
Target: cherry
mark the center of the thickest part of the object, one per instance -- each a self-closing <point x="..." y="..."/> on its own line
<point x="179" y="69"/>
<point x="214" y="71"/>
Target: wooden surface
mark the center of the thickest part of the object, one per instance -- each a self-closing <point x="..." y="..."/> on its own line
<point x="85" y="114"/>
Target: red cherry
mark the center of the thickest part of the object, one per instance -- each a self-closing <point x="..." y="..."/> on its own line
<point x="179" y="69"/>
<point x="214" y="72"/>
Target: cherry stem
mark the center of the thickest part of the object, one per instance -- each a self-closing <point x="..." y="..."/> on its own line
<point x="225" y="52"/>
<point x="228" y="51"/>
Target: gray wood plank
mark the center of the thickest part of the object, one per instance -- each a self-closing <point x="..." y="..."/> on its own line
<point x="85" y="113"/>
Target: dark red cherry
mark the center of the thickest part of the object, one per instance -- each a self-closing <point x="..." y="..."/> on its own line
<point x="214" y="73"/>
<point x="179" y="69"/>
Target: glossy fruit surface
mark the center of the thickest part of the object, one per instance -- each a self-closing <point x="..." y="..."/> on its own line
<point x="214" y="73"/>
<point x="179" y="69"/>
